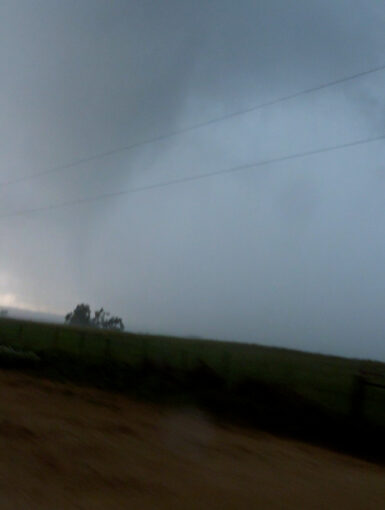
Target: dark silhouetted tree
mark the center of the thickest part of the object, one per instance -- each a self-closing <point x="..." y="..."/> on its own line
<point x="81" y="316"/>
<point x="104" y="320"/>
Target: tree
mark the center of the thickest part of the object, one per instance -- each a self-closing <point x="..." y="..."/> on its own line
<point x="81" y="316"/>
<point x="3" y="313"/>
<point x="104" y="320"/>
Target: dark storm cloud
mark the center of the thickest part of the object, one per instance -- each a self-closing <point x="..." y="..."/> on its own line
<point x="290" y="254"/>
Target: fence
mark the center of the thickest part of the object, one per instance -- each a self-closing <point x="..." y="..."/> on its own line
<point x="106" y="347"/>
<point x="326" y="381"/>
<point x="362" y="381"/>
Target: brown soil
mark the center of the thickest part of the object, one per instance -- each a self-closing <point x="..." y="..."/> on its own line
<point x="64" y="447"/>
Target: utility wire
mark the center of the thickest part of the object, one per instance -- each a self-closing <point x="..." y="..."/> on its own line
<point x="181" y="180"/>
<point x="188" y="129"/>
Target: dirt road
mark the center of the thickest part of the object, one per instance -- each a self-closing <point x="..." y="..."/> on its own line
<point x="64" y="447"/>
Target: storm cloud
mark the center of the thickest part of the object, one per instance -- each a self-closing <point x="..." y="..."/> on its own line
<point x="288" y="254"/>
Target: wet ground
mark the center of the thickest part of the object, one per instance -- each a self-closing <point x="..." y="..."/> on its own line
<point x="65" y="447"/>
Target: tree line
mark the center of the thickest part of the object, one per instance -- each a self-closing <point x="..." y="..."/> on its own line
<point x="82" y="316"/>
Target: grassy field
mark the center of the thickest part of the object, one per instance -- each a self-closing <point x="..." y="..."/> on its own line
<point x="324" y="380"/>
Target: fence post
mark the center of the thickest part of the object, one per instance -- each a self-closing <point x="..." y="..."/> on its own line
<point x="183" y="360"/>
<point x="226" y="368"/>
<point x="144" y="351"/>
<point x="21" y="336"/>
<point x="107" y="352"/>
<point x="81" y="343"/>
<point x="55" y="342"/>
<point x="358" y="397"/>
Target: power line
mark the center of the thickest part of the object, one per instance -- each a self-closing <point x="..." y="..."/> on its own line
<point x="181" y="180"/>
<point x="194" y="127"/>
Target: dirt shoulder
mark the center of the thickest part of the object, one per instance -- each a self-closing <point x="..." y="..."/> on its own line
<point x="65" y="447"/>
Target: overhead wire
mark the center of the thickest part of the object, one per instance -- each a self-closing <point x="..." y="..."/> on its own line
<point x="191" y="178"/>
<point x="171" y="134"/>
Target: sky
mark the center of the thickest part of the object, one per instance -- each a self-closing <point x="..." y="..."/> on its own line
<point x="286" y="254"/>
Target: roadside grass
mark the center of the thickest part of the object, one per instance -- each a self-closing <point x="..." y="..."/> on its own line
<point x="302" y="394"/>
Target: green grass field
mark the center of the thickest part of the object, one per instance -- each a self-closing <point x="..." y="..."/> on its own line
<point x="325" y="380"/>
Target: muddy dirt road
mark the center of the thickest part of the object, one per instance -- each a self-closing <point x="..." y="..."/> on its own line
<point x="64" y="447"/>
